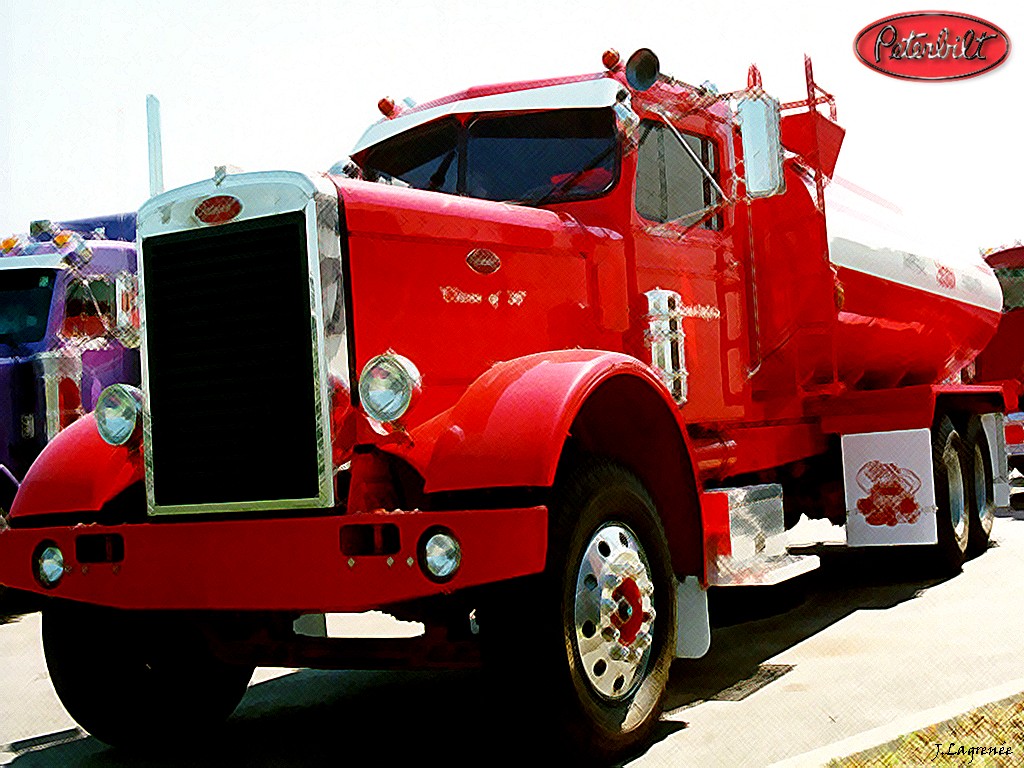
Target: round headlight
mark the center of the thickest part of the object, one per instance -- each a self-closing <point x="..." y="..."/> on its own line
<point x="117" y="413"/>
<point x="441" y="555"/>
<point x="388" y="385"/>
<point x="49" y="565"/>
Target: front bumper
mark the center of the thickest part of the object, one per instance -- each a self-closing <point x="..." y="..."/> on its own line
<point x="293" y="564"/>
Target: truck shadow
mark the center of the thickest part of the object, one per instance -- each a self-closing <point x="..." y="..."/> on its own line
<point x="360" y="718"/>
<point x="753" y="624"/>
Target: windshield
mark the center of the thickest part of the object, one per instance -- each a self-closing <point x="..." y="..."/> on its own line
<point x="535" y="157"/>
<point x="25" y="296"/>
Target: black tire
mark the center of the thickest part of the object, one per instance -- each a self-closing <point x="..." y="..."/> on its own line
<point x="607" y="707"/>
<point x="133" y="679"/>
<point x="981" y="484"/>
<point x="951" y="472"/>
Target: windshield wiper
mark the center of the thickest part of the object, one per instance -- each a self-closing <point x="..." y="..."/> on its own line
<point x="437" y="178"/>
<point x="570" y="182"/>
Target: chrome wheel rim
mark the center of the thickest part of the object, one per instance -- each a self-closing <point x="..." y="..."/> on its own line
<point x="957" y="496"/>
<point x="614" y="611"/>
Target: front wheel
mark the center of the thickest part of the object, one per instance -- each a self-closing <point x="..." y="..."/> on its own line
<point x="612" y="609"/>
<point x="132" y="679"/>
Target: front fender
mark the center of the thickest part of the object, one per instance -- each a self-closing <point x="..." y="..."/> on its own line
<point x="77" y="472"/>
<point x="510" y="426"/>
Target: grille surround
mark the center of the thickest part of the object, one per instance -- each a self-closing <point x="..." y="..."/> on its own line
<point x="252" y="458"/>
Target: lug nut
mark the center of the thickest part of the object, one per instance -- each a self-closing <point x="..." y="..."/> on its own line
<point x="618" y="653"/>
<point x="610" y="633"/>
<point x="649" y="615"/>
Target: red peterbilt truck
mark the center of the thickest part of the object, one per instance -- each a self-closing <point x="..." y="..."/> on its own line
<point x="565" y="355"/>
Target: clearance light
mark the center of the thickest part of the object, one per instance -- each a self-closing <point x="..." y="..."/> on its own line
<point x="440" y="555"/>
<point x="49" y="564"/>
<point x="386" y="106"/>
<point x="117" y="413"/>
<point x="388" y="385"/>
<point x="610" y="58"/>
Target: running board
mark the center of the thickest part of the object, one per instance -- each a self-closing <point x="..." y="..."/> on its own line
<point x="754" y="553"/>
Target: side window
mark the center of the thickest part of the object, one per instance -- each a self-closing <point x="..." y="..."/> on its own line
<point x="670" y="186"/>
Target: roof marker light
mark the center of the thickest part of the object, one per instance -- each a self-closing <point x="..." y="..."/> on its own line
<point x="610" y="59"/>
<point x="387" y="106"/>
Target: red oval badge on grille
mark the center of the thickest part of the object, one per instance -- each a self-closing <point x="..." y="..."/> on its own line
<point x="483" y="261"/>
<point x="932" y="46"/>
<point x="218" y="209"/>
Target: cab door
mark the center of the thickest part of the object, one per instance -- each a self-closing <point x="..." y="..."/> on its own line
<point x="686" y="265"/>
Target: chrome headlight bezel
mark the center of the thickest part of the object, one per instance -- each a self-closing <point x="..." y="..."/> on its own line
<point x="118" y="413"/>
<point x="388" y="386"/>
<point x="440" y="554"/>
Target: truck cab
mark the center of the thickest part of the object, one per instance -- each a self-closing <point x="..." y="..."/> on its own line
<point x="68" y="328"/>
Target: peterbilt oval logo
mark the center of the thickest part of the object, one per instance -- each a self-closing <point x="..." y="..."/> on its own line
<point x="483" y="261"/>
<point x="932" y="46"/>
<point x="218" y="209"/>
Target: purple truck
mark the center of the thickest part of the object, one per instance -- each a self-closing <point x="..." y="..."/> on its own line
<point x="69" y="326"/>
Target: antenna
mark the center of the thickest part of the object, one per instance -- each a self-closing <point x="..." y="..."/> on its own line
<point x="156" y="160"/>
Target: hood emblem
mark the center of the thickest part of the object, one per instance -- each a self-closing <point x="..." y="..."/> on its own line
<point x="218" y="209"/>
<point x="483" y="261"/>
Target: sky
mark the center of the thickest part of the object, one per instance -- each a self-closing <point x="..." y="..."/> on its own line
<point x="264" y="85"/>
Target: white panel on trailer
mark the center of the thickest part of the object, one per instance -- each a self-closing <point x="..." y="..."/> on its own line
<point x="890" y="489"/>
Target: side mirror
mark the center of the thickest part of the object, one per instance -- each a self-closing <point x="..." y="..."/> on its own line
<point x="762" y="148"/>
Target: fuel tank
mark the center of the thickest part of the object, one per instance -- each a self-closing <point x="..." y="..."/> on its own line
<point x="908" y="311"/>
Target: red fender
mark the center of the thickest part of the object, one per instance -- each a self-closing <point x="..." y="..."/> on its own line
<point x="77" y="472"/>
<point x="509" y="428"/>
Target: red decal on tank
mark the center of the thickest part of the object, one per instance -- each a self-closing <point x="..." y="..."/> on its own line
<point x="946" y="277"/>
<point x="932" y="46"/>
<point x="218" y="209"/>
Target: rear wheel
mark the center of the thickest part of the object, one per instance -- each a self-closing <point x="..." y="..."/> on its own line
<point x="131" y="679"/>
<point x="982" y="488"/>
<point x="951" y="472"/>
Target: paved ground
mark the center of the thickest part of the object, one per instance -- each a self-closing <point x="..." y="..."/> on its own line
<point x="848" y="649"/>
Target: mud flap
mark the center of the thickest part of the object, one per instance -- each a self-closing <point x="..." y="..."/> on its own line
<point x="693" y="627"/>
<point x="996" y="439"/>
<point x="890" y="488"/>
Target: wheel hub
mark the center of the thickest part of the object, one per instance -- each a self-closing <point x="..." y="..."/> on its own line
<point x="614" y="611"/>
